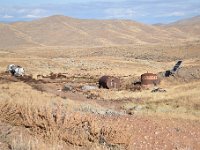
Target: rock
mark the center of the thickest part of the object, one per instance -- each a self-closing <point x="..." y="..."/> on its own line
<point x="138" y="108"/>
<point x="101" y="112"/>
<point x="88" y="87"/>
<point x="130" y="112"/>
<point x="67" y="88"/>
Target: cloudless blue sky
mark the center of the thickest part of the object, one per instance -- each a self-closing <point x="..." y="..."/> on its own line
<point x="146" y="11"/>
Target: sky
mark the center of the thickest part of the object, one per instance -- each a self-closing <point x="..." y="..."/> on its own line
<point x="146" y="11"/>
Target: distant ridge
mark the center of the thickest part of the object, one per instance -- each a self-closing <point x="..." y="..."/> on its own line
<point x="190" y="26"/>
<point x="66" y="31"/>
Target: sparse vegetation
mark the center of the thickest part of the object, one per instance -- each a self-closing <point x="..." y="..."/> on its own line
<point x="41" y="115"/>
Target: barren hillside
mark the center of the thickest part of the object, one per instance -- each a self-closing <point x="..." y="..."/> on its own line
<point x="9" y="37"/>
<point x="65" y="31"/>
<point x="189" y="26"/>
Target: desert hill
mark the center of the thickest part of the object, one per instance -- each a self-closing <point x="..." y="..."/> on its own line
<point x="66" y="31"/>
<point x="9" y="36"/>
<point x="189" y="26"/>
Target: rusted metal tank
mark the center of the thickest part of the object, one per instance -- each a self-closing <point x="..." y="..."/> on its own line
<point x="109" y="82"/>
<point x="148" y="80"/>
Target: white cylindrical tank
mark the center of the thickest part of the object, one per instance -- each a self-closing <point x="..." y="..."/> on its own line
<point x="15" y="70"/>
<point x="19" y="71"/>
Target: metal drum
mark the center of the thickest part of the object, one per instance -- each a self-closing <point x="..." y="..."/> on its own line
<point x="148" y="80"/>
<point x="109" y="82"/>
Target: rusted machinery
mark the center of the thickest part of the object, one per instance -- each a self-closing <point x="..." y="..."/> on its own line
<point x="56" y="75"/>
<point x="109" y="82"/>
<point x="52" y="76"/>
<point x="136" y="86"/>
<point x="149" y="80"/>
<point x="173" y="70"/>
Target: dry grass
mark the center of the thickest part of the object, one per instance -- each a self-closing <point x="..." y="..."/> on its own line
<point x="179" y="101"/>
<point x="49" y="118"/>
<point x="69" y="123"/>
<point x="21" y="142"/>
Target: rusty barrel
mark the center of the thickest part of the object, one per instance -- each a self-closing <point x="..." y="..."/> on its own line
<point x="109" y="82"/>
<point x="148" y="80"/>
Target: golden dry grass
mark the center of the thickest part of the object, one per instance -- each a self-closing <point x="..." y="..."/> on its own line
<point x="51" y="121"/>
<point x="42" y="113"/>
<point x="180" y="101"/>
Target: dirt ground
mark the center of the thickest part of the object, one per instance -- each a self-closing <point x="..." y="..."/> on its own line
<point x="99" y="118"/>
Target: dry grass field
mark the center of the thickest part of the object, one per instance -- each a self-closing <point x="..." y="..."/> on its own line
<point x="40" y="115"/>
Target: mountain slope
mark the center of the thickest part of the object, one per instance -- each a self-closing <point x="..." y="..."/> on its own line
<point x="10" y="37"/>
<point x="66" y="31"/>
<point x="189" y="26"/>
